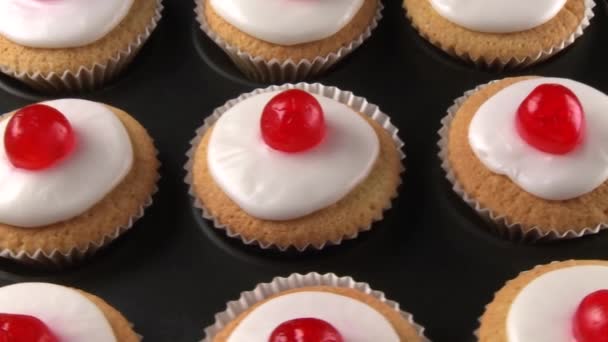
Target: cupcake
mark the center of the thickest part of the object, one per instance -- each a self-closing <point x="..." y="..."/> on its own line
<point x="528" y="153"/>
<point x="296" y="165"/>
<point x="559" y="302"/>
<point x="45" y="312"/>
<point x="314" y="307"/>
<point x="75" y="175"/>
<point x="500" y="33"/>
<point x="70" y="45"/>
<point x="276" y="40"/>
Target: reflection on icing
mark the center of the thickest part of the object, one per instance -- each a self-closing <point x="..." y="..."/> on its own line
<point x="288" y="22"/>
<point x="355" y="320"/>
<point x="498" y="16"/>
<point x="60" y="23"/>
<point x="494" y="139"/>
<point x="101" y="159"/>
<point x="543" y="309"/>
<point x="67" y="313"/>
<point x="273" y="185"/>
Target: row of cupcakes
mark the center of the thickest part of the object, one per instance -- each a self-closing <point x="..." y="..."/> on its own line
<point x="304" y="166"/>
<point x="558" y="302"/>
<point x="274" y="41"/>
<point x="277" y="41"/>
<point x="526" y="153"/>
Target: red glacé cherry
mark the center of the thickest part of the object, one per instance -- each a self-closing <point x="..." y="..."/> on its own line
<point x="37" y="136"/>
<point x="293" y="121"/>
<point x="551" y="119"/>
<point x="22" y="328"/>
<point x="305" y="330"/>
<point x="591" y="318"/>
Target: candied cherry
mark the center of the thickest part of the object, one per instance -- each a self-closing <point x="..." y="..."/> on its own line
<point x="305" y="330"/>
<point x="551" y="119"/>
<point x="23" y="328"/>
<point x="293" y="121"/>
<point x="37" y="136"/>
<point x="591" y="318"/>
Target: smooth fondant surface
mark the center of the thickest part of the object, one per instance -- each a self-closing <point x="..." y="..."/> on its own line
<point x="495" y="141"/>
<point x="288" y="22"/>
<point x="498" y="16"/>
<point x="102" y="157"/>
<point x="60" y="23"/>
<point x="67" y="313"/>
<point x="543" y="310"/>
<point x="273" y="185"/>
<point x="355" y="320"/>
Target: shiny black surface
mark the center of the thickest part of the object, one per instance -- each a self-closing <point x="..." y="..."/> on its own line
<point x="172" y="272"/>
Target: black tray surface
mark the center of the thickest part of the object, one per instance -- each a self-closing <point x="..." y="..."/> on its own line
<point x="173" y="271"/>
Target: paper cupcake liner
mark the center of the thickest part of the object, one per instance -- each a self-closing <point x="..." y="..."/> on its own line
<point x="295" y="281"/>
<point x="497" y="224"/>
<point x="59" y="259"/>
<point x="87" y="77"/>
<point x="275" y="71"/>
<point x="514" y="62"/>
<point x="346" y="97"/>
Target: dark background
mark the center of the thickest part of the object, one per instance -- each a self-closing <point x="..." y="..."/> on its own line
<point x="172" y="272"/>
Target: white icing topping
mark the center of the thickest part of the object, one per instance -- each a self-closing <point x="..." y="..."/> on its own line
<point x="355" y="320"/>
<point x="60" y="23"/>
<point x="66" y="312"/>
<point x="498" y="16"/>
<point x="543" y="309"/>
<point x="273" y="185"/>
<point x="288" y="22"/>
<point x="495" y="141"/>
<point x="101" y="159"/>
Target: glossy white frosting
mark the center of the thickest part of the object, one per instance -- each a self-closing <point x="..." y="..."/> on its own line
<point x="355" y="320"/>
<point x="60" y="23"/>
<point x="273" y="185"/>
<point x="288" y="22"/>
<point x="101" y="159"/>
<point x="498" y="16"/>
<point x="495" y="141"/>
<point x="543" y="310"/>
<point x="67" y="313"/>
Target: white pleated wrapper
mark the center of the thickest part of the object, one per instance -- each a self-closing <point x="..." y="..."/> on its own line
<point x="273" y="71"/>
<point x="88" y="77"/>
<point x="345" y="97"/>
<point x="497" y="224"/>
<point x="515" y="62"/>
<point x="295" y="281"/>
<point x="57" y="259"/>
